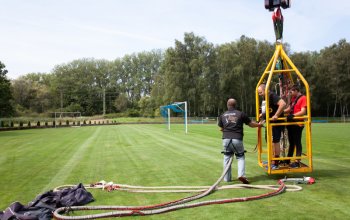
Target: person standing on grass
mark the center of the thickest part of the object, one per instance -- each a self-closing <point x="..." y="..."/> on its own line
<point x="231" y="124"/>
<point x="297" y="107"/>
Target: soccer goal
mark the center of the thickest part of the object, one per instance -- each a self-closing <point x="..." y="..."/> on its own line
<point x="177" y="107"/>
<point x="72" y="119"/>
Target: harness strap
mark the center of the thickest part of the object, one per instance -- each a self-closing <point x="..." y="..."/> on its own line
<point x="294" y="103"/>
<point x="226" y="151"/>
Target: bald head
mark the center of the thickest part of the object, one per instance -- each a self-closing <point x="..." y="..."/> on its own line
<point x="261" y="90"/>
<point x="231" y="103"/>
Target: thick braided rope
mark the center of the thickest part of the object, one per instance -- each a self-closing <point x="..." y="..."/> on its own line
<point x="120" y="211"/>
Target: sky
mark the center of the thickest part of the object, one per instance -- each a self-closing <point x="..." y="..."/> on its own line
<point x="37" y="35"/>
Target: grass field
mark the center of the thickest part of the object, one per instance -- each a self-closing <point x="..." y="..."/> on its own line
<point x="34" y="161"/>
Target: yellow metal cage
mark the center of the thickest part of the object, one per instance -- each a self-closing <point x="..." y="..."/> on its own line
<point x="264" y="148"/>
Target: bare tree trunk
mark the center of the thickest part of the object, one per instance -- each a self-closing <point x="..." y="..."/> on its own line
<point x="245" y="98"/>
<point x="335" y="105"/>
<point x="342" y="109"/>
<point x="203" y="112"/>
<point x="242" y="102"/>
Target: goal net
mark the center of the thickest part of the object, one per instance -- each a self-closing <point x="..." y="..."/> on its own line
<point x="72" y="119"/>
<point x="177" y="108"/>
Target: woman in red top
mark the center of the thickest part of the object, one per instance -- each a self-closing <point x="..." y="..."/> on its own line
<point x="297" y="107"/>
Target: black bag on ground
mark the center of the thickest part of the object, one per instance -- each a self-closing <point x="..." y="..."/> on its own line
<point x="42" y="207"/>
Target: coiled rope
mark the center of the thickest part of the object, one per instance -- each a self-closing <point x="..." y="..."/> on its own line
<point x="122" y="211"/>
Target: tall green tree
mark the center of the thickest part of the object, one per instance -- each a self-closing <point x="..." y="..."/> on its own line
<point x="32" y="93"/>
<point x="306" y="64"/>
<point x="229" y="70"/>
<point x="184" y="70"/>
<point x="134" y="77"/>
<point x="240" y="65"/>
<point x="83" y="85"/>
<point x="6" y="107"/>
<point x="333" y="65"/>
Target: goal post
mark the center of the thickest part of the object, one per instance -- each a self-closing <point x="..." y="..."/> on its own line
<point x="73" y="118"/>
<point x="177" y="107"/>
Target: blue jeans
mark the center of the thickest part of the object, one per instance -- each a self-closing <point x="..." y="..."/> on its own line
<point x="235" y="146"/>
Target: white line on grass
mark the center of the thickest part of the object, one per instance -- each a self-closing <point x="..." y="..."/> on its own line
<point x="63" y="173"/>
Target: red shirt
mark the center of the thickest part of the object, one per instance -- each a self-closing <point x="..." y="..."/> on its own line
<point x="301" y="103"/>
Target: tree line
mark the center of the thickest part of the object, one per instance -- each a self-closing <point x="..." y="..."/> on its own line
<point x="193" y="70"/>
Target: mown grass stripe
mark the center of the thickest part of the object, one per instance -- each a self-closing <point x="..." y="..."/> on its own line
<point x="75" y="158"/>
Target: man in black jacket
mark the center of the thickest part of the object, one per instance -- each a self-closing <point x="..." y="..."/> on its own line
<point x="231" y="124"/>
<point x="275" y="109"/>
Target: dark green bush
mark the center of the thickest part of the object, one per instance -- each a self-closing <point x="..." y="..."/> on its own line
<point x="133" y="113"/>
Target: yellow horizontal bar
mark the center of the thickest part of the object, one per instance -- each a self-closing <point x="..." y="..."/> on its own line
<point x="280" y="71"/>
<point x="289" y="123"/>
<point x="292" y="170"/>
<point x="295" y="117"/>
<point x="288" y="158"/>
